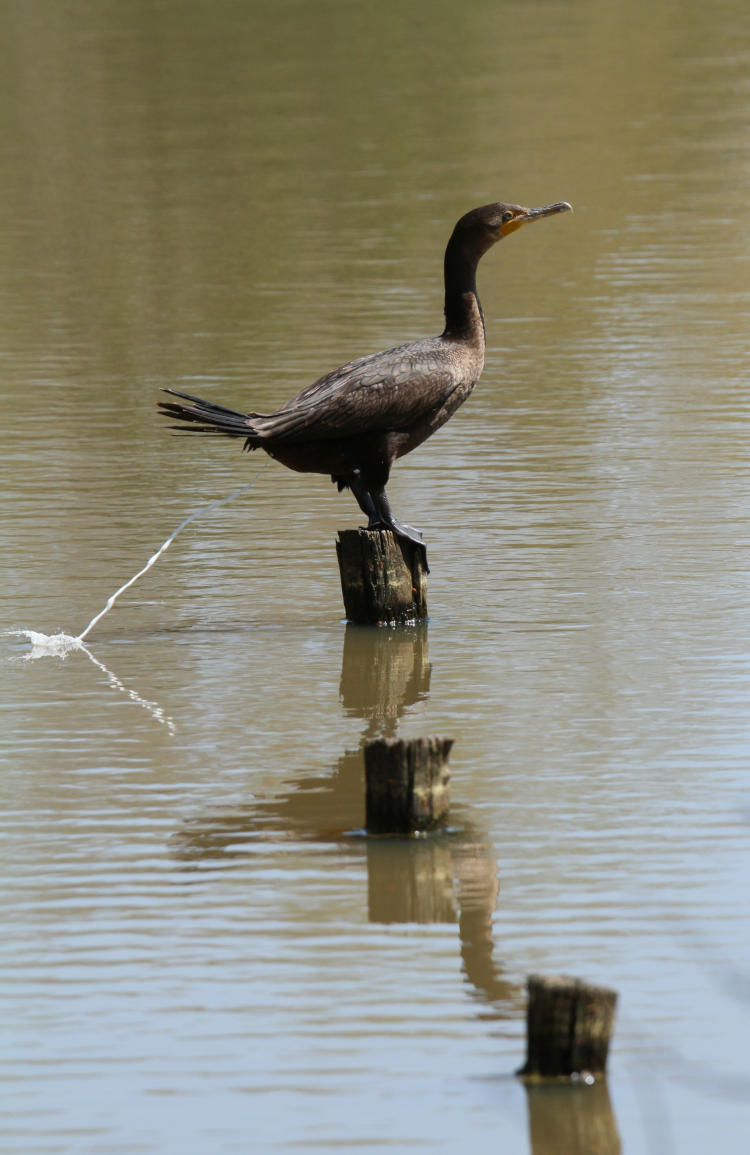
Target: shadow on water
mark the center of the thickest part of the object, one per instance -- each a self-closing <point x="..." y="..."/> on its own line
<point x="447" y="877"/>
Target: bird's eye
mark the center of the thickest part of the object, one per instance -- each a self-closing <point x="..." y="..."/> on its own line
<point x="507" y="216"/>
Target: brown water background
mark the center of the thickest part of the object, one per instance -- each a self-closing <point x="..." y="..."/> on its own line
<point x="198" y="953"/>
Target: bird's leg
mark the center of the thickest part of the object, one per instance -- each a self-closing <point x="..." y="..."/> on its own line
<point x="386" y="520"/>
<point x="364" y="501"/>
<point x="379" y="516"/>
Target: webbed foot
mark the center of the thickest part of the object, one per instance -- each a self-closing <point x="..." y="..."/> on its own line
<point x="405" y="531"/>
<point x="380" y="516"/>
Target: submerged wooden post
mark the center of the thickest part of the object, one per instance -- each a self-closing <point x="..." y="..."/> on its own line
<point x="383" y="577"/>
<point x="568" y="1027"/>
<point x="407" y="784"/>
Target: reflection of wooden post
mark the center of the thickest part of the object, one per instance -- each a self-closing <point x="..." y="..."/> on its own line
<point x="569" y="1023"/>
<point x="571" y="1119"/>
<point x="407" y="784"/>
<point x="383" y="577"/>
<point x="382" y="672"/>
<point x="410" y="880"/>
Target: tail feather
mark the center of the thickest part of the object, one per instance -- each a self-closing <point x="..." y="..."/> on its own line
<point x="202" y="416"/>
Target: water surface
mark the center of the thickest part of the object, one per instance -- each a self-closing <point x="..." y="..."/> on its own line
<point x="201" y="952"/>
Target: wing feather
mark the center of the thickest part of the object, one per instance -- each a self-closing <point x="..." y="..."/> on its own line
<point x="383" y="392"/>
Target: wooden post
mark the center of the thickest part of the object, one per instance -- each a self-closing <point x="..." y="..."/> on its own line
<point x="383" y="577"/>
<point x="407" y="784"/>
<point x="568" y="1027"/>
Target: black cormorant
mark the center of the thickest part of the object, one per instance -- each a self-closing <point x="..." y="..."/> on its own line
<point x="355" y="421"/>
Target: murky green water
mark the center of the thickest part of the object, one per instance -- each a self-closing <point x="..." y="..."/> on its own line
<point x="199" y="953"/>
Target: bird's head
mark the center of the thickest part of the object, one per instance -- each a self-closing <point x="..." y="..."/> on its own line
<point x="483" y="227"/>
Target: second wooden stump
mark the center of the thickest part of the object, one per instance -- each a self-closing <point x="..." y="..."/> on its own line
<point x="407" y="784"/>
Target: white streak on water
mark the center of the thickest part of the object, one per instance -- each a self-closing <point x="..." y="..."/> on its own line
<point x="61" y="644"/>
<point x="154" y="557"/>
<point x="155" y="710"/>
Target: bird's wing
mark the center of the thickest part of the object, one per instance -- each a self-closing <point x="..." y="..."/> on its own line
<point x="383" y="392"/>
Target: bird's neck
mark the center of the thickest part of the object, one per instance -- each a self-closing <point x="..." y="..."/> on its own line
<point x="464" y="319"/>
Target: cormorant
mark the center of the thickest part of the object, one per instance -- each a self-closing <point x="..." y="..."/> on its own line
<point x="356" y="420"/>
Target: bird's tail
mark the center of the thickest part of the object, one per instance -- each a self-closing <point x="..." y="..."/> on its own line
<point x="207" y="417"/>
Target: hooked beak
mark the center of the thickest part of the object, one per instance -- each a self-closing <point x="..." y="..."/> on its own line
<point x="527" y="215"/>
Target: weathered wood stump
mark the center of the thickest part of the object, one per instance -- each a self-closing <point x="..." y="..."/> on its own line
<point x="383" y="577"/>
<point x="407" y="784"/>
<point x="568" y="1027"/>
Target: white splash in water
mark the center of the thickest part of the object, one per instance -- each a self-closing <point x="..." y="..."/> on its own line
<point x="44" y="645"/>
<point x="61" y="644"/>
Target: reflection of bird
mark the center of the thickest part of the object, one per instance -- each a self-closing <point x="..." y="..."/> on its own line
<point x="354" y="422"/>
